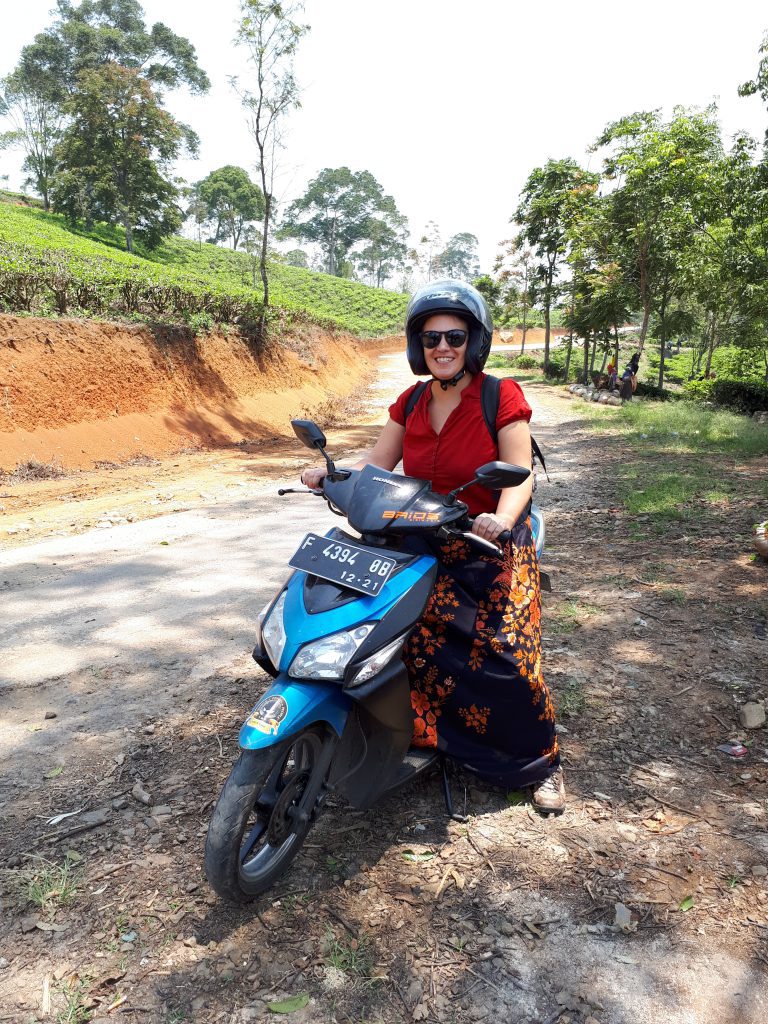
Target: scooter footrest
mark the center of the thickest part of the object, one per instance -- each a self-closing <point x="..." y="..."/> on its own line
<point x="414" y="762"/>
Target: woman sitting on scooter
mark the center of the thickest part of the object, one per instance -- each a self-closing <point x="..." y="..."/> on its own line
<point x="474" y="660"/>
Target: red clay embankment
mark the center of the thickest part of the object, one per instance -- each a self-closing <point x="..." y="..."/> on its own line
<point x="80" y="392"/>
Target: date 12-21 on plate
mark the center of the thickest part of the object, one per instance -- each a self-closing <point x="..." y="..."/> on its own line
<point x="341" y="562"/>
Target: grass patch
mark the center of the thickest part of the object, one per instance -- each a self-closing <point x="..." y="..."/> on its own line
<point x="716" y="497"/>
<point x="73" y="991"/>
<point x="665" y="494"/>
<point x="681" y="459"/>
<point x="499" y="361"/>
<point x="652" y="572"/>
<point x="571" y="699"/>
<point x="680" y="427"/>
<point x="571" y="614"/>
<point x="52" y="885"/>
<point x="353" y="957"/>
<point x="675" y="595"/>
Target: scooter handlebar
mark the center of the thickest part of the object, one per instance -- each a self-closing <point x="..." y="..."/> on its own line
<point x="491" y="546"/>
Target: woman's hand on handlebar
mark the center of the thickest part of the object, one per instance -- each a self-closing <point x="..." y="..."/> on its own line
<point x="313" y="476"/>
<point x="489" y="525"/>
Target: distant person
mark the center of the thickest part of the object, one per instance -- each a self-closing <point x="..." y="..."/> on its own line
<point x="613" y="376"/>
<point x="629" y="378"/>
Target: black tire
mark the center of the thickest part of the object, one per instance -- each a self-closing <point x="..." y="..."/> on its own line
<point x="254" y="834"/>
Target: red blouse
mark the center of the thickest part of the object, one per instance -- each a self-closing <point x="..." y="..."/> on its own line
<point x="450" y="458"/>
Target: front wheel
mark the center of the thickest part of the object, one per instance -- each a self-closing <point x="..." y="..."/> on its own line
<point x="260" y="820"/>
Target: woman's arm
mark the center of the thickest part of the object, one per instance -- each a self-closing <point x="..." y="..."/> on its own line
<point x="514" y="447"/>
<point x="386" y="453"/>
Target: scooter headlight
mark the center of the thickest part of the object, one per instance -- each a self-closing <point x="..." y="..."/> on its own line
<point x="376" y="662"/>
<point x="328" y="658"/>
<point x="273" y="632"/>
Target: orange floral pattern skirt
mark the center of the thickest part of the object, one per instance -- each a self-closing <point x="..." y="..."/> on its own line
<point x="474" y="662"/>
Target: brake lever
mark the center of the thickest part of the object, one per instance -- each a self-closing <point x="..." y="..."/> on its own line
<point x="489" y="546"/>
<point x="297" y="490"/>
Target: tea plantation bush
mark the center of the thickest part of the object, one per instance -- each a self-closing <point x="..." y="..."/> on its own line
<point x="739" y="395"/>
<point x="47" y="269"/>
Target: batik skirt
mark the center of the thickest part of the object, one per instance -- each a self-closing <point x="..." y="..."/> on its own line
<point x="474" y="662"/>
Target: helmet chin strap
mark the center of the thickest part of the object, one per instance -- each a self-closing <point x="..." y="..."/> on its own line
<point x="445" y="384"/>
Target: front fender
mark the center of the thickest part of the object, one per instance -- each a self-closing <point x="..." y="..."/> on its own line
<point x="289" y="706"/>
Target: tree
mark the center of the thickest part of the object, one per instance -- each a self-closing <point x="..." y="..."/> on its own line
<point x="760" y="82"/>
<point x="231" y="201"/>
<point x="547" y="202"/>
<point x="459" y="258"/>
<point x="97" y="32"/>
<point x="297" y="258"/>
<point x="428" y="252"/>
<point x="515" y="265"/>
<point x="341" y="209"/>
<point x="492" y="292"/>
<point x="36" y="122"/>
<point x="386" y="251"/>
<point x="660" y="172"/>
<point x="83" y="42"/>
<point x="271" y="35"/>
<point x="600" y="292"/>
<point x="116" y="153"/>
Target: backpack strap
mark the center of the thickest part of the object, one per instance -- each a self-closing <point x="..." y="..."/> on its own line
<point x="490" y="396"/>
<point x="537" y="455"/>
<point x="415" y="395"/>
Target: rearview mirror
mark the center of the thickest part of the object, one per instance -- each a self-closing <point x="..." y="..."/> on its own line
<point x="496" y="475"/>
<point x="309" y="433"/>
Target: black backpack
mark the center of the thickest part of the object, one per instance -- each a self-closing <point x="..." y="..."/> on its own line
<point x="490" y="395"/>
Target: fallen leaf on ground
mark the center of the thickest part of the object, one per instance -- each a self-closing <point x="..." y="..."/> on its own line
<point x="289" y="1005"/>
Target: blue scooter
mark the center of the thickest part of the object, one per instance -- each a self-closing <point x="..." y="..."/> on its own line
<point x="337" y="717"/>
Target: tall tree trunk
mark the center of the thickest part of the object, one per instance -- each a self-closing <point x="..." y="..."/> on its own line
<point x="547" y="312"/>
<point x="568" y="358"/>
<point x="663" y="332"/>
<point x="645" y="298"/>
<point x="585" y="376"/>
<point x="616" y="346"/>
<point x="644" y="325"/>
<point x="711" y="346"/>
<point x="128" y="231"/>
<point x="263" y="265"/>
<point x="594" y="353"/>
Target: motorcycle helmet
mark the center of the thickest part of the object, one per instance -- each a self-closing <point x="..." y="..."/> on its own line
<point x="459" y="299"/>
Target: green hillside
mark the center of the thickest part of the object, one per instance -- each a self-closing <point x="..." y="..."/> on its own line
<point x="48" y="269"/>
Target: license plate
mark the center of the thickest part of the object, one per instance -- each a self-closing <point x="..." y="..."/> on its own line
<point x="341" y="562"/>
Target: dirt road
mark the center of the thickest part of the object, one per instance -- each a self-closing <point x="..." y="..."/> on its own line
<point x="646" y="902"/>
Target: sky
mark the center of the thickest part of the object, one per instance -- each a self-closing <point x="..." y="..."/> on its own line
<point x="450" y="104"/>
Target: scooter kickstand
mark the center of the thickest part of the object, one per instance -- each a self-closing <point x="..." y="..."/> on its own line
<point x="448" y="797"/>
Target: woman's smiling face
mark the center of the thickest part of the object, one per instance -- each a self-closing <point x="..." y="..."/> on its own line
<point x="445" y="362"/>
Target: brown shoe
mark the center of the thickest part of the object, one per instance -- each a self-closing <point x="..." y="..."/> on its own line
<point x="549" y="795"/>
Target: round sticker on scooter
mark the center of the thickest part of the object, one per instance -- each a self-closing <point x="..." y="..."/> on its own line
<point x="268" y="714"/>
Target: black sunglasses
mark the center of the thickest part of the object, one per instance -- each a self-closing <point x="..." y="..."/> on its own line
<point x="431" y="339"/>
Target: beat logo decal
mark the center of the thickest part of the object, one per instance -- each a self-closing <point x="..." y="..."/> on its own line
<point x="268" y="714"/>
<point x="412" y="517"/>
